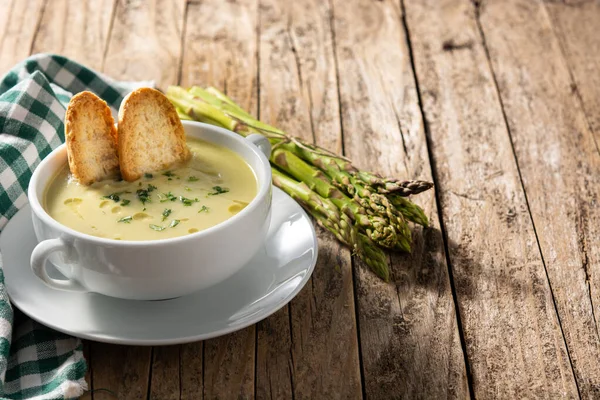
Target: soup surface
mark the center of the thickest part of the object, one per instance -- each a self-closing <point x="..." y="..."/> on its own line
<point x="214" y="185"/>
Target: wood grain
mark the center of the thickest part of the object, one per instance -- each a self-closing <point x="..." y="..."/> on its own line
<point x="514" y="342"/>
<point x="574" y="27"/>
<point x="145" y="41"/>
<point x="75" y="29"/>
<point x="87" y="355"/>
<point x="559" y="163"/>
<point x="408" y="328"/>
<point x="274" y="363"/>
<point x="229" y="365"/>
<point x="120" y="371"/>
<point x="298" y="93"/>
<point x="220" y="51"/>
<point x="190" y="371"/>
<point x="510" y="95"/>
<point x="18" y="24"/>
<point x="63" y="23"/>
<point x="165" y="376"/>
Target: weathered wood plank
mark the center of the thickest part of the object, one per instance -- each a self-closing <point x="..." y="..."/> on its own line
<point x="220" y="50"/>
<point x="229" y="366"/>
<point x="190" y="370"/>
<point x="408" y="328"/>
<point x="274" y="363"/>
<point x="19" y="21"/>
<point x="164" y="379"/>
<point x="87" y="354"/>
<point x="120" y="371"/>
<point x="145" y="41"/>
<point x="559" y="163"/>
<point x="75" y="29"/>
<point x="514" y="342"/>
<point x="299" y="94"/>
<point x="574" y="25"/>
<point x="63" y="25"/>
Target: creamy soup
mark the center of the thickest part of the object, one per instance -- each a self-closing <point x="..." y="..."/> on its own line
<point x="213" y="186"/>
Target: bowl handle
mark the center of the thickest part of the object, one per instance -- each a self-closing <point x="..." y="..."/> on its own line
<point x="261" y="142"/>
<point x="38" y="264"/>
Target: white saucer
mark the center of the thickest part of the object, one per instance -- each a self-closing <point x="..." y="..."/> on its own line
<point x="268" y="282"/>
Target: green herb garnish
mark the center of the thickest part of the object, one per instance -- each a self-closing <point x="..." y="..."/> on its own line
<point x="125" y="202"/>
<point x="174" y="223"/>
<point x="149" y="176"/>
<point x="193" y="178"/>
<point x="114" y="196"/>
<point x="218" y="190"/>
<point x="168" y="196"/>
<point x="157" y="227"/>
<point x="187" y="189"/>
<point x="168" y="174"/>
<point x="144" y="194"/>
<point x="187" y="202"/>
<point x="203" y="209"/>
<point x="126" y="220"/>
<point x="166" y="213"/>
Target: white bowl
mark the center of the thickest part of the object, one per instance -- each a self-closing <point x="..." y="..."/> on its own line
<point x="154" y="269"/>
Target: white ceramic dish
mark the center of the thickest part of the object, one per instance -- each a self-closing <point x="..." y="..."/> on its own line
<point x="154" y="269"/>
<point x="265" y="284"/>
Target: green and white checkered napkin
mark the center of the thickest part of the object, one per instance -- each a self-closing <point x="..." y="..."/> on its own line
<point x="35" y="361"/>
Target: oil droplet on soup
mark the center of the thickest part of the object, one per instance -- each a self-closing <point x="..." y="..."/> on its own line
<point x="211" y="187"/>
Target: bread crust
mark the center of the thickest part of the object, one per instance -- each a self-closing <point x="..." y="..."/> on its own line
<point x="151" y="137"/>
<point x="91" y="139"/>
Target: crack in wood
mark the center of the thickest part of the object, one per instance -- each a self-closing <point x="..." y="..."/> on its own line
<point x="110" y="31"/>
<point x="477" y="9"/>
<point x="574" y="88"/>
<point x="353" y="264"/>
<point x="151" y="365"/>
<point x="465" y="196"/>
<point x="403" y="140"/>
<point x="310" y="112"/>
<point x="398" y="122"/>
<point x="290" y="36"/>
<point x="435" y="178"/>
<point x="582" y="239"/>
<point x="337" y="76"/>
<point x="291" y="370"/>
<point x="181" y="44"/>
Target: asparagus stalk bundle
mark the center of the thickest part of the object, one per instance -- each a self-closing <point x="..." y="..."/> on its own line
<point x="363" y="210"/>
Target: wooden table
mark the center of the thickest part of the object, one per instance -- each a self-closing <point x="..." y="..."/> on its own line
<point x="497" y="102"/>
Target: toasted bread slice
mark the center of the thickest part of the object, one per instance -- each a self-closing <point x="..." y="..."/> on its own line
<point x="151" y="136"/>
<point x="91" y="139"/>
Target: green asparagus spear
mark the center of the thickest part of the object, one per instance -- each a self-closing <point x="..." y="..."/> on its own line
<point x="378" y="229"/>
<point x="327" y="215"/>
